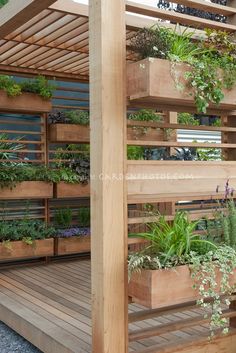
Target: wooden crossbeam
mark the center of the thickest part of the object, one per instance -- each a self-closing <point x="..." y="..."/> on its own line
<point x="16" y="13"/>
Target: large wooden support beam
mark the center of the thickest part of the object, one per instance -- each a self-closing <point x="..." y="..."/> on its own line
<point x="16" y="13"/>
<point x="108" y="160"/>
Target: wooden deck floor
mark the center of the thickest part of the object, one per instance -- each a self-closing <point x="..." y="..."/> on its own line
<point x="50" y="306"/>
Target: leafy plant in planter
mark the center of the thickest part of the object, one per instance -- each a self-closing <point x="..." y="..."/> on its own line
<point x="38" y="86"/>
<point x="13" y="174"/>
<point x="69" y="117"/>
<point x="175" y="244"/>
<point x="187" y="119"/>
<point x="84" y="217"/>
<point x="211" y="62"/>
<point x="26" y="230"/>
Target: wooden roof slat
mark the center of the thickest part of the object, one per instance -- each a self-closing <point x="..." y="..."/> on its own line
<point x="51" y="63"/>
<point x="51" y="28"/>
<point x="78" y="45"/>
<point x="21" y="54"/>
<point x="38" y="55"/>
<point x="12" y="51"/>
<point x="75" y="36"/>
<point x="16" y="13"/>
<point x="71" y="62"/>
<point x="57" y="37"/>
<point x="50" y="19"/>
<point x="80" y="69"/>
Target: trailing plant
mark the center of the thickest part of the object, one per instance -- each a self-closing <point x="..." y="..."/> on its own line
<point x="8" y="150"/>
<point x="211" y="62"/>
<point x="38" y="86"/>
<point x="211" y="266"/>
<point x="63" y="217"/>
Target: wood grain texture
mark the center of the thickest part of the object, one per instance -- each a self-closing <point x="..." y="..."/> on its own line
<point x="108" y="158"/>
<point x="69" y="133"/>
<point x="28" y="190"/>
<point x="66" y="190"/>
<point x="21" y="250"/>
<point x="26" y="103"/>
<point x="150" y="81"/>
<point x="73" y="245"/>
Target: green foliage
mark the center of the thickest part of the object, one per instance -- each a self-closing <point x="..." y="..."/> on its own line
<point x="84" y="217"/>
<point x="11" y="175"/>
<point x="226" y="215"/>
<point x="3" y="2"/>
<point x="8" y="84"/>
<point x="77" y="117"/>
<point x="12" y="146"/>
<point x="217" y="122"/>
<point x="26" y="229"/>
<point x="172" y="241"/>
<point x="212" y="61"/>
<point x="145" y="115"/>
<point x="135" y="152"/>
<point x="187" y="119"/>
<point x="63" y="217"/>
<point x="38" y="86"/>
<point x="208" y="154"/>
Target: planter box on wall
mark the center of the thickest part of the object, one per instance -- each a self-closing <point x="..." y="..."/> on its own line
<point x="28" y="190"/>
<point x="151" y="81"/>
<point x="73" y="245"/>
<point x="26" y="102"/>
<point x="160" y="288"/>
<point x="64" y="190"/>
<point x="20" y="250"/>
<point x="69" y="133"/>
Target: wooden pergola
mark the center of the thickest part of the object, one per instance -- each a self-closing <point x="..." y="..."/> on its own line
<point x="70" y="41"/>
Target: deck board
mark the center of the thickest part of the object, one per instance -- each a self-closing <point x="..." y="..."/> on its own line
<point x="50" y="305"/>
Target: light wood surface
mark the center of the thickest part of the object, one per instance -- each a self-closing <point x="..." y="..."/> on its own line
<point x="25" y="103"/>
<point x="108" y="161"/>
<point x="66" y="190"/>
<point x="28" y="190"/>
<point x="73" y="245"/>
<point x="20" y="250"/>
<point x="50" y="305"/>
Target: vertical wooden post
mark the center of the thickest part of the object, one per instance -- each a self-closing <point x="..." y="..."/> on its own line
<point x="108" y="161"/>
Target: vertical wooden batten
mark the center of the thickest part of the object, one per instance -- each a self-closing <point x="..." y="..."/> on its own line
<point x="108" y="161"/>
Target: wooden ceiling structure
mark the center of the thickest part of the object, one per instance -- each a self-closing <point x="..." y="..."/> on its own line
<point x="52" y="38"/>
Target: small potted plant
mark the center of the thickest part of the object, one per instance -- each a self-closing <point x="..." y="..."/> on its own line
<point x="72" y="239"/>
<point x="69" y="127"/>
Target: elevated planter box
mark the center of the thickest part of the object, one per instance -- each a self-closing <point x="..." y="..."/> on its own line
<point x="152" y="81"/>
<point x="26" y="103"/>
<point x="28" y="190"/>
<point x="69" y="133"/>
<point x="65" y="190"/>
<point x="160" y="288"/>
<point x="21" y="250"/>
<point x="72" y="245"/>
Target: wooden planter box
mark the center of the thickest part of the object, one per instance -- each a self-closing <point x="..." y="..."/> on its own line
<point x="69" y="133"/>
<point x="73" y="245"/>
<point x="26" y="102"/>
<point x="151" y="81"/>
<point x="160" y="288"/>
<point x="64" y="190"/>
<point x="20" y="250"/>
<point x="28" y="190"/>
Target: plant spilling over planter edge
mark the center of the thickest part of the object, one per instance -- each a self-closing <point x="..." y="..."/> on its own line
<point x="178" y="243"/>
<point x="211" y="60"/>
